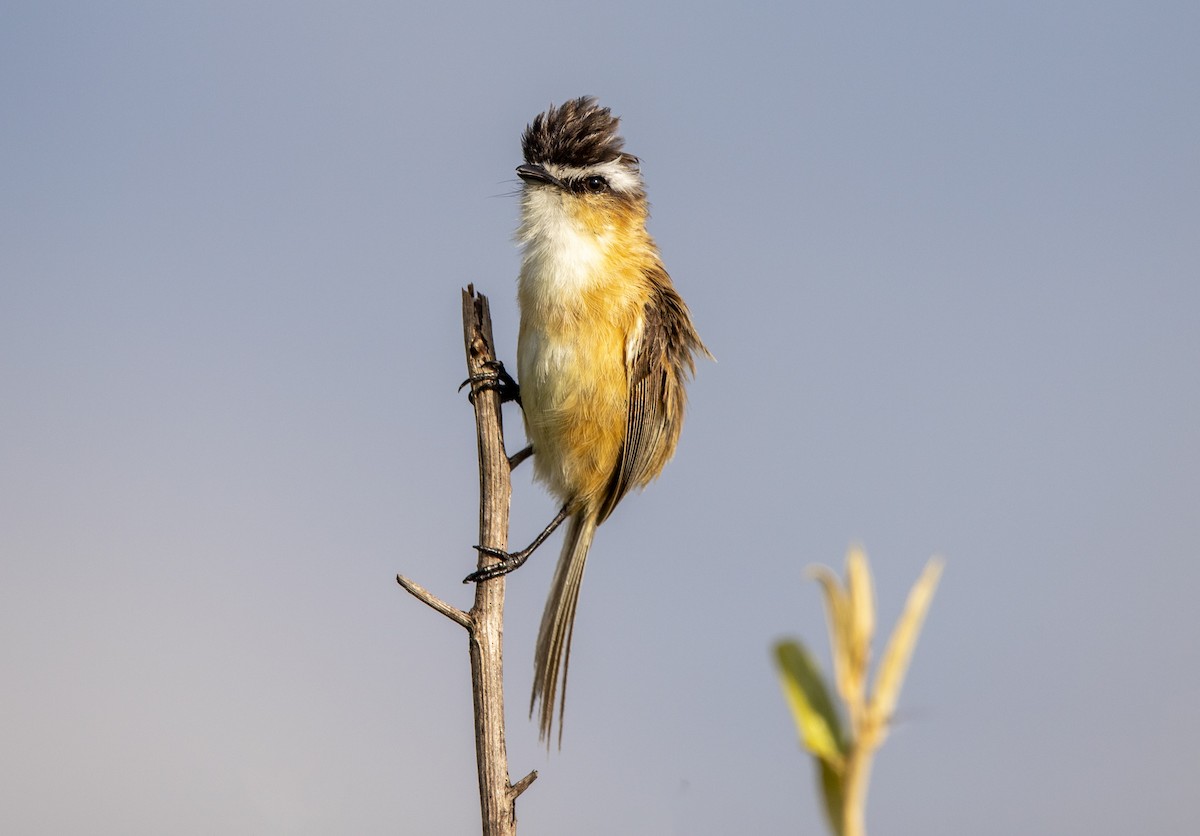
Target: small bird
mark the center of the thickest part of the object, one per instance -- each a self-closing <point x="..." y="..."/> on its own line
<point x="605" y="348"/>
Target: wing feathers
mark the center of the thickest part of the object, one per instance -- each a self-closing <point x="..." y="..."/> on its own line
<point x="657" y="364"/>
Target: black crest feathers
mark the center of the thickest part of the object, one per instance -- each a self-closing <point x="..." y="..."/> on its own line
<point x="576" y="133"/>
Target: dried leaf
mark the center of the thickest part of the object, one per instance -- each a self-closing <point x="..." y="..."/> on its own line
<point x="896" y="657"/>
<point x="861" y="594"/>
<point x="837" y="614"/>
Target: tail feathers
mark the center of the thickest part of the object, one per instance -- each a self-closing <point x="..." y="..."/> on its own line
<point x="554" y="637"/>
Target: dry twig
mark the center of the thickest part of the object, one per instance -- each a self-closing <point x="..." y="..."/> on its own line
<point x="484" y="622"/>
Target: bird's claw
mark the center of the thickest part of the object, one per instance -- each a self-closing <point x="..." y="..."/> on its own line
<point x="497" y="379"/>
<point x="507" y="562"/>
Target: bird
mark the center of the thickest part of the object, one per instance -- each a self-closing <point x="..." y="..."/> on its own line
<point x="605" y="348"/>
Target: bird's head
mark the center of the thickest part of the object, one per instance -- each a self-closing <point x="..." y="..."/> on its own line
<point x="575" y="148"/>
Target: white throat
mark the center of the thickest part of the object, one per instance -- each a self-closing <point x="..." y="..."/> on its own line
<point x="562" y="255"/>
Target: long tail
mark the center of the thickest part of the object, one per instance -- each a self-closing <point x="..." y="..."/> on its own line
<point x="554" y="637"/>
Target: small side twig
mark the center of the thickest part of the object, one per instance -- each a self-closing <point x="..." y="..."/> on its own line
<point x="522" y="785"/>
<point x="521" y="455"/>
<point x="425" y="596"/>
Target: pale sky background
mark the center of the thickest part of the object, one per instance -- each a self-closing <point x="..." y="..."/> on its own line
<point x="947" y="254"/>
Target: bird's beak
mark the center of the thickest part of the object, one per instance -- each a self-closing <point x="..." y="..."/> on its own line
<point x="535" y="173"/>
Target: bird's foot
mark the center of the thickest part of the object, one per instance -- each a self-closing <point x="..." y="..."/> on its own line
<point x="508" y="561"/>
<point x="496" y="379"/>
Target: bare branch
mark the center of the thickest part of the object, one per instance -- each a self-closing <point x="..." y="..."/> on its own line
<point x="497" y="800"/>
<point x="485" y="620"/>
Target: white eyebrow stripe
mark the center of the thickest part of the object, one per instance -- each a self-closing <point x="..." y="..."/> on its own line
<point x="621" y="178"/>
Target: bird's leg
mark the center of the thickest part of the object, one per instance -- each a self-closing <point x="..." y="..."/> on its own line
<point x="496" y="378"/>
<point x="513" y="560"/>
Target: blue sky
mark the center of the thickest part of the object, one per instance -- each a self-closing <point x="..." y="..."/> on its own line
<point x="946" y="255"/>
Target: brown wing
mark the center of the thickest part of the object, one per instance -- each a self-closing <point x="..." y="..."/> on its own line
<point x="658" y="365"/>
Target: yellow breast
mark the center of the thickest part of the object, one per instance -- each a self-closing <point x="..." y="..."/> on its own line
<point x="582" y="295"/>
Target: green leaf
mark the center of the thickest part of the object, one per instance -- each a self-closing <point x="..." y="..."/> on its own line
<point x="831" y="794"/>
<point x="808" y="697"/>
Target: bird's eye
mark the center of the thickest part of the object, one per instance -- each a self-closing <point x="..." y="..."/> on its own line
<point x="595" y="184"/>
